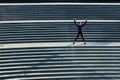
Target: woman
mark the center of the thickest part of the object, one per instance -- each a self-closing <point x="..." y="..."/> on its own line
<point x="79" y="25"/>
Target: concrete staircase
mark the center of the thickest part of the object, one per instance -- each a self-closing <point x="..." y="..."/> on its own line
<point x="81" y="62"/>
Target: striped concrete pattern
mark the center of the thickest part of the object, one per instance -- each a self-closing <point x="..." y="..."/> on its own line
<point x="61" y="63"/>
<point x="60" y="12"/>
<point x="58" y="32"/>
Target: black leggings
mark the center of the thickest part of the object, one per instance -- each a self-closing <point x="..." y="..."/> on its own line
<point x="78" y="36"/>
